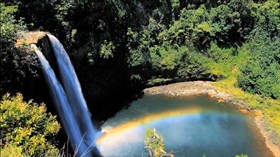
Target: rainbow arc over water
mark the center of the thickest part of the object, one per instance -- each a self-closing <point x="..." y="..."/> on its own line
<point x="110" y="133"/>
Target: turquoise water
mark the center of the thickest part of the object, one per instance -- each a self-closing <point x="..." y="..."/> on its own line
<point x="191" y="127"/>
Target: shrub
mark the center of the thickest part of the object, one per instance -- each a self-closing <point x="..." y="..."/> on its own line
<point x="27" y="126"/>
<point x="155" y="145"/>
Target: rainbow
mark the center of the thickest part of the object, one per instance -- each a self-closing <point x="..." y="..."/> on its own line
<point x="181" y="111"/>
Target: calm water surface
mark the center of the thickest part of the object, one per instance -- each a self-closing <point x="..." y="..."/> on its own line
<point x="191" y="127"/>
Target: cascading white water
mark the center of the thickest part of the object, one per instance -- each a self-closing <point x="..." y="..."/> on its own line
<point x="73" y="91"/>
<point x="69" y="123"/>
<point x="69" y="100"/>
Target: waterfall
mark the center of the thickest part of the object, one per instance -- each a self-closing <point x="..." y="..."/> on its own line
<point x="73" y="91"/>
<point x="69" y="100"/>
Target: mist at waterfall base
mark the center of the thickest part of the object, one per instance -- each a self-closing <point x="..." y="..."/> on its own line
<point x="69" y="100"/>
<point x="190" y="127"/>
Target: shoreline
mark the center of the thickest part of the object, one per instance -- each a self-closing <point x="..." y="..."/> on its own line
<point x="206" y="88"/>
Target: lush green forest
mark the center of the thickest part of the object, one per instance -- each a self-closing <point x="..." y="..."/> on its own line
<point x="122" y="46"/>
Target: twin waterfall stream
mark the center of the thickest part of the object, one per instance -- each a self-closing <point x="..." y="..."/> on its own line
<point x="69" y="100"/>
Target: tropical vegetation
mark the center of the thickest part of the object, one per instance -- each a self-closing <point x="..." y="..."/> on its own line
<point x="122" y="46"/>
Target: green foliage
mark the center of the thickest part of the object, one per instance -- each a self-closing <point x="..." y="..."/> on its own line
<point x="158" y="81"/>
<point x="192" y="28"/>
<point x="226" y="23"/>
<point x="194" y="66"/>
<point x="173" y="51"/>
<point x="161" y="36"/>
<point x="12" y="151"/>
<point x="165" y="57"/>
<point x="164" y="51"/>
<point x="26" y="127"/>
<point x="107" y="49"/>
<point x="155" y="145"/>
<point x="231" y="21"/>
<point x="267" y="16"/>
<point x="261" y="75"/>
<point x="9" y="26"/>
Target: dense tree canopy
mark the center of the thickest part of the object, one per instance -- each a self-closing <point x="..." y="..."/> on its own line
<point x="126" y="45"/>
<point x="151" y="42"/>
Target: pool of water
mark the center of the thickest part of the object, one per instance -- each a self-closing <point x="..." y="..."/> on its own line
<point x="191" y="126"/>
